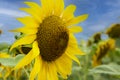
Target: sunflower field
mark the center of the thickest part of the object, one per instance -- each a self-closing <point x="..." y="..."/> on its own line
<point x="45" y="46"/>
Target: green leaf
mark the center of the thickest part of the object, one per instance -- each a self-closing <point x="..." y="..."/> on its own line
<point x="118" y="42"/>
<point x="4" y="46"/>
<point x="12" y="61"/>
<point x="111" y="69"/>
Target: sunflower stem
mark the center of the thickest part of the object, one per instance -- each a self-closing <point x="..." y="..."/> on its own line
<point x="86" y="68"/>
<point x="26" y="72"/>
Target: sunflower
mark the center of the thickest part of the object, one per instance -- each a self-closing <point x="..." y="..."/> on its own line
<point x="102" y="50"/>
<point x="114" y="31"/>
<point x="50" y="30"/>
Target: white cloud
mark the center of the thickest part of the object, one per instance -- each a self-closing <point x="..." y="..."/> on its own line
<point x="12" y="13"/>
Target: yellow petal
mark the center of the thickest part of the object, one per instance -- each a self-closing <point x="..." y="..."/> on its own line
<point x="75" y="29"/>
<point x="36" y="49"/>
<point x="77" y="20"/>
<point x="111" y="42"/>
<point x="95" y="62"/>
<point x="24" y="40"/>
<point x="50" y="4"/>
<point x="42" y="74"/>
<point x="36" y="68"/>
<point x="69" y="12"/>
<point x="75" y="51"/>
<point x="25" y="30"/>
<point x="26" y="60"/>
<point x="73" y="46"/>
<point x="52" y="73"/>
<point x="0" y="75"/>
<point x="47" y="7"/>
<point x="33" y="5"/>
<point x="44" y="6"/>
<point x="59" y="7"/>
<point x="73" y="57"/>
<point x="4" y="55"/>
<point x="64" y="66"/>
<point x="28" y="21"/>
<point x="34" y="13"/>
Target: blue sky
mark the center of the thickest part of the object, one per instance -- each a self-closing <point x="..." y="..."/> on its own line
<point x="102" y="13"/>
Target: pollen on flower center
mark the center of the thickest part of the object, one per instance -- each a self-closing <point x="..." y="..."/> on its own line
<point x="52" y="38"/>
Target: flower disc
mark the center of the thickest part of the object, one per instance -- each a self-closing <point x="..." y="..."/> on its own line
<point x="52" y="38"/>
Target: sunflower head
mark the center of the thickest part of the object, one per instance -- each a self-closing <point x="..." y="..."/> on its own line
<point x="102" y="50"/>
<point x="114" y="31"/>
<point x="52" y="38"/>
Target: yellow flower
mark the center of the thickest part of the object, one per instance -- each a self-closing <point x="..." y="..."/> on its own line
<point x="114" y="31"/>
<point x="102" y="50"/>
<point x="50" y="30"/>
